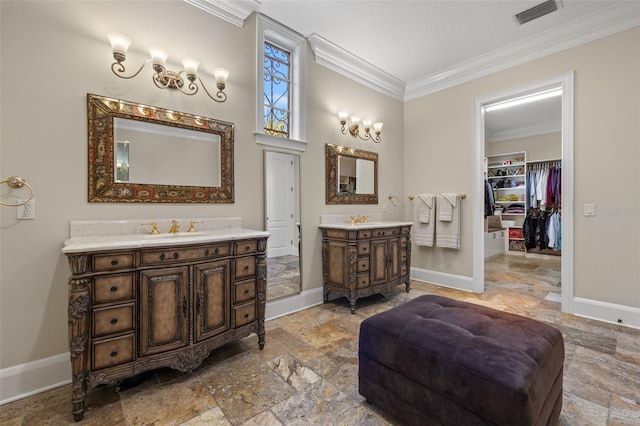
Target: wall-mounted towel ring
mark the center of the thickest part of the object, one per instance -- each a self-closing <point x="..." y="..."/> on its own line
<point x="17" y="182"/>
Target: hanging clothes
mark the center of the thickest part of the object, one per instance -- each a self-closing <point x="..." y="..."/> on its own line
<point x="489" y="202"/>
<point x="544" y="183"/>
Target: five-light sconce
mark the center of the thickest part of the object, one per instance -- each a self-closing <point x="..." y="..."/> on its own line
<point x="162" y="77"/>
<point x="353" y="124"/>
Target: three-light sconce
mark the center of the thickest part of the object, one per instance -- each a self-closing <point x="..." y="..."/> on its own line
<point x="162" y="77"/>
<point x="353" y="124"/>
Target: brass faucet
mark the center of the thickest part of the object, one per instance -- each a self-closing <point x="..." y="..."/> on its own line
<point x="192" y="227"/>
<point x="154" y="228"/>
<point x="358" y="219"/>
<point x="175" y="227"/>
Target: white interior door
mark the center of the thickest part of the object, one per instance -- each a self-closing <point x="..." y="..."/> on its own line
<point x="280" y="198"/>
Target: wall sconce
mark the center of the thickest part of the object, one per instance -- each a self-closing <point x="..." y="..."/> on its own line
<point x="354" y="127"/>
<point x="162" y="77"/>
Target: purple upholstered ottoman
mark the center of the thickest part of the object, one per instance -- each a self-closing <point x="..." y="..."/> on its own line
<point x="435" y="360"/>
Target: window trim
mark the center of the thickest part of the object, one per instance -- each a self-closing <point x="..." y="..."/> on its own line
<point x="273" y="32"/>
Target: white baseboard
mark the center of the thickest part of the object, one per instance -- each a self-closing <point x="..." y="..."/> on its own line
<point x="607" y="312"/>
<point x="459" y="282"/>
<point x="289" y="305"/>
<point x="21" y="381"/>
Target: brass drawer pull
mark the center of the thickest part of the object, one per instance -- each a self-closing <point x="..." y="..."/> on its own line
<point x="247" y="248"/>
<point x="114" y="320"/>
<point x="246" y="291"/>
<point x="114" y="262"/>
<point x="246" y="315"/>
<point x="163" y="256"/>
<point x="114" y="289"/>
<point x="175" y="255"/>
<point x="114" y="354"/>
<point x="246" y="268"/>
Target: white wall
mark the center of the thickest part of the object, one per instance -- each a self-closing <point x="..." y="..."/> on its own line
<point x="546" y="146"/>
<point x="53" y="54"/>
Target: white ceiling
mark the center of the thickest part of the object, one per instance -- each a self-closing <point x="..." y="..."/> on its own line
<point x="417" y="45"/>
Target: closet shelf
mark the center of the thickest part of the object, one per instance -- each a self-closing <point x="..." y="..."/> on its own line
<point x="507" y="176"/>
<point x="508" y="188"/>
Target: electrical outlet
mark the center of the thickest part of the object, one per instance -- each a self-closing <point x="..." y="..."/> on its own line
<point x="27" y="210"/>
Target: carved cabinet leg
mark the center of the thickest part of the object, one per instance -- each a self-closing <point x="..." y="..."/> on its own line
<point x="79" y="336"/>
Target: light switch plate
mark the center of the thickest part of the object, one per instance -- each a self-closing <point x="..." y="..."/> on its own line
<point x="589" y="209"/>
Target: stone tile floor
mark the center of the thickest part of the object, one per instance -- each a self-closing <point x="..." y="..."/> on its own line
<point x="307" y="372"/>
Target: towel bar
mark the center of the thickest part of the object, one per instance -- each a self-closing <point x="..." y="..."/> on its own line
<point x="462" y="196"/>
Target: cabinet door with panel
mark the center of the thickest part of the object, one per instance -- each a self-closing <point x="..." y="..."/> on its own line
<point x="212" y="294"/>
<point x="385" y="260"/>
<point x="164" y="309"/>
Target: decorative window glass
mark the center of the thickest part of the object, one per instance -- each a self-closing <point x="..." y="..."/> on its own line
<point x="280" y="98"/>
<point x="277" y="81"/>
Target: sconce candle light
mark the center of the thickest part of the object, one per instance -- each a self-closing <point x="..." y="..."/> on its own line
<point x="162" y="77"/>
<point x="353" y="127"/>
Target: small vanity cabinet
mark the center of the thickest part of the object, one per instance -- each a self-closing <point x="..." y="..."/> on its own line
<point x="165" y="302"/>
<point x="364" y="259"/>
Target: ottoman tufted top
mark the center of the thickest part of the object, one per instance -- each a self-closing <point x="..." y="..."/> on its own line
<point x="499" y="365"/>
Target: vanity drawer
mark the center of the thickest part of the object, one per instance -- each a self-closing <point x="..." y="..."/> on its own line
<point x="364" y="248"/>
<point x="246" y="247"/>
<point x="362" y="281"/>
<point x="112" y="288"/>
<point x="403" y="269"/>
<point x="339" y="234"/>
<point x="110" y="352"/>
<point x="384" y="232"/>
<point x="109" y="262"/>
<point x="365" y="233"/>
<point x="204" y="252"/>
<point x="116" y="319"/>
<point x="245" y="267"/>
<point x="362" y="264"/>
<point x="244" y="314"/>
<point x="244" y="290"/>
<point x="403" y="256"/>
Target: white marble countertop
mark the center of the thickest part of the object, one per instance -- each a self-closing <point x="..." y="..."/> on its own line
<point x="133" y="241"/>
<point x="366" y="225"/>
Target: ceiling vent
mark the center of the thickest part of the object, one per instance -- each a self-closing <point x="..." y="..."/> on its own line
<point x="536" y="11"/>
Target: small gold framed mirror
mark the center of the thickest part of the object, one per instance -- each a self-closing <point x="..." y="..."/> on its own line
<point x="351" y="175"/>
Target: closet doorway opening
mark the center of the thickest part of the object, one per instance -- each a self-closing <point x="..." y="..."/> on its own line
<point x="523" y="220"/>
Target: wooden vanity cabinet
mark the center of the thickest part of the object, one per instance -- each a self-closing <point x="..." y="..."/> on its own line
<point x="135" y="310"/>
<point x="361" y="262"/>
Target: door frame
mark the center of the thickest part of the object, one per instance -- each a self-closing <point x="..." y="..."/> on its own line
<point x="566" y="82"/>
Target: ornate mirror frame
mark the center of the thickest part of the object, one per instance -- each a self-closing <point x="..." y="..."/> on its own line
<point x="332" y="152"/>
<point x="101" y="112"/>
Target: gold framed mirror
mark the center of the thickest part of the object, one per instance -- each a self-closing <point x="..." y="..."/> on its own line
<point x="145" y="154"/>
<point x="351" y="175"/>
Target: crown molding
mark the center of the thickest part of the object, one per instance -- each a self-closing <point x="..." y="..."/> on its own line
<point x="234" y="12"/>
<point x="617" y="18"/>
<point x="345" y="63"/>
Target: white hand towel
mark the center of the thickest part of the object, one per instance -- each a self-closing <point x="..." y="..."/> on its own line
<point x="424" y="228"/>
<point x="425" y="206"/>
<point x="448" y="232"/>
<point x="445" y="210"/>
